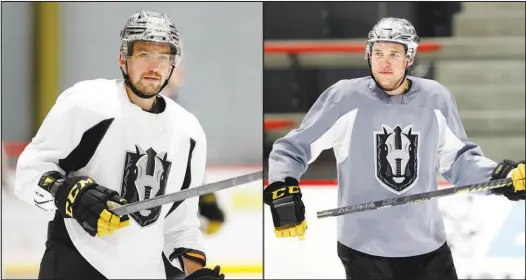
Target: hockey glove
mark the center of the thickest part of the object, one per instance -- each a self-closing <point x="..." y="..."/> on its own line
<point x="189" y="254"/>
<point x="87" y="202"/>
<point x="287" y="208"/>
<point x="209" y="209"/>
<point x="206" y="274"/>
<point x="516" y="190"/>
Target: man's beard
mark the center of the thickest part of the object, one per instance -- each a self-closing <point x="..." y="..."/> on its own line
<point x="148" y="88"/>
<point x="390" y="84"/>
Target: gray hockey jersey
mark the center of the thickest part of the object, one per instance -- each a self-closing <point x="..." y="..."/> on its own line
<point x="385" y="146"/>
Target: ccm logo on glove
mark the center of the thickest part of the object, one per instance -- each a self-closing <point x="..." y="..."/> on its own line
<point x="73" y="194"/>
<point x="282" y="191"/>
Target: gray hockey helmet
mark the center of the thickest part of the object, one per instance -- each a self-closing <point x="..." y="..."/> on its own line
<point x="393" y="30"/>
<point x="151" y="27"/>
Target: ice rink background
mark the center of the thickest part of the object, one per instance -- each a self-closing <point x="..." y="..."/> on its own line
<point x="495" y="250"/>
<point x="236" y="247"/>
<point x="486" y="234"/>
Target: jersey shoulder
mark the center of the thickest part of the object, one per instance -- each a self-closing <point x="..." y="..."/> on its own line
<point x="431" y="87"/>
<point x="99" y="96"/>
<point x="345" y="89"/>
<point x="434" y="91"/>
<point x="191" y="123"/>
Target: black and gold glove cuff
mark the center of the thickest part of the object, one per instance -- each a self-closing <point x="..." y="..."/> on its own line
<point x="284" y="199"/>
<point x="51" y="181"/>
<point x="503" y="169"/>
<point x="190" y="254"/>
<point x="278" y="190"/>
<point x="69" y="192"/>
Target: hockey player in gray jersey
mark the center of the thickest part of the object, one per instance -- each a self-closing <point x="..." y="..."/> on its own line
<point x="390" y="133"/>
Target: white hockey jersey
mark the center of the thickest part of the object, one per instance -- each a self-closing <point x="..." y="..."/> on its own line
<point x="94" y="130"/>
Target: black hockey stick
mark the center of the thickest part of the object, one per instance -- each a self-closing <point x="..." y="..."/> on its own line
<point x="414" y="198"/>
<point x="188" y="193"/>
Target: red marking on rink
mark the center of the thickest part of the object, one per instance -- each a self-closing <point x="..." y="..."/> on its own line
<point x="337" y="47"/>
<point x="14" y="148"/>
<point x="278" y="124"/>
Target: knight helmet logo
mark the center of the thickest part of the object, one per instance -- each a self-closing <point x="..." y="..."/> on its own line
<point x="396" y="153"/>
<point x="145" y="176"/>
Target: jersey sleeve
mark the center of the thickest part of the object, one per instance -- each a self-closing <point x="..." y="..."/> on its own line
<point x="459" y="161"/>
<point x="321" y="129"/>
<point x="55" y="139"/>
<point x="181" y="226"/>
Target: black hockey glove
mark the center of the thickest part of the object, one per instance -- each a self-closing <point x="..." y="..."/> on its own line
<point x="189" y="254"/>
<point x="516" y="190"/>
<point x="209" y="209"/>
<point x="87" y="202"/>
<point x="287" y="208"/>
<point x="206" y="274"/>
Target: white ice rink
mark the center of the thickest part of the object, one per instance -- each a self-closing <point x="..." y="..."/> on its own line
<point x="497" y="251"/>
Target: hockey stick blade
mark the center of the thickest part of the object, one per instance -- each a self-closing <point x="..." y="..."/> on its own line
<point x="414" y="198"/>
<point x="185" y="194"/>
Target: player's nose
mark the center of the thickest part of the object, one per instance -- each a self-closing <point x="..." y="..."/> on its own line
<point x="153" y="65"/>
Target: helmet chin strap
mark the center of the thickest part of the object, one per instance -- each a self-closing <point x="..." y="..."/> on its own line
<point x="127" y="81"/>
<point x="399" y="83"/>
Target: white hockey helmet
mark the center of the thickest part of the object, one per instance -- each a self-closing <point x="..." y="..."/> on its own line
<point x="395" y="30"/>
<point x="151" y="27"/>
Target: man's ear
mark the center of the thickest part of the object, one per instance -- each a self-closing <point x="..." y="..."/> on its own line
<point x="411" y="61"/>
<point x="122" y="63"/>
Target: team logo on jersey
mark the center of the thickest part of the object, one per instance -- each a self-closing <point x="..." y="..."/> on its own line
<point x="396" y="154"/>
<point x="145" y="176"/>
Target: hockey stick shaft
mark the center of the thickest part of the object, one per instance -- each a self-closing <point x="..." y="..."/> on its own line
<point x="414" y="198"/>
<point x="188" y="193"/>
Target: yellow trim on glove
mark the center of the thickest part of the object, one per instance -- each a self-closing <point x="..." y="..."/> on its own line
<point x="292" y="231"/>
<point x="213" y="227"/>
<point x="109" y="222"/>
<point x="518" y="176"/>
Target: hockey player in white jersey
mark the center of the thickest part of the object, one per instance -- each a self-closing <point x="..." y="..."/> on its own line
<point x="209" y="210"/>
<point x="390" y="133"/>
<point x="120" y="141"/>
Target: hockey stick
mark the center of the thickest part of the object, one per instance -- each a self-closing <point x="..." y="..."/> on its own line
<point x="414" y="198"/>
<point x="188" y="193"/>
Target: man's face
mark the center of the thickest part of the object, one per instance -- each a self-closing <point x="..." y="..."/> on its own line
<point x="148" y="67"/>
<point x="388" y="63"/>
